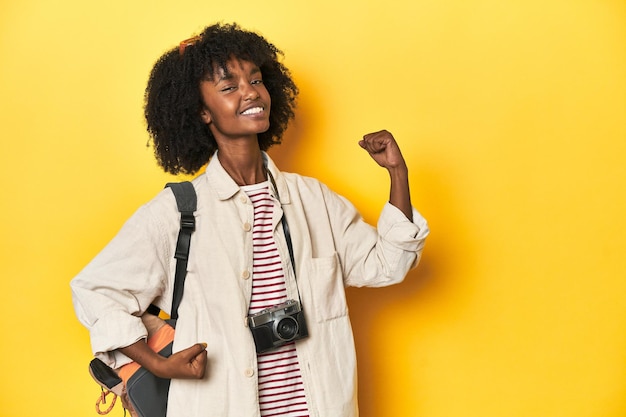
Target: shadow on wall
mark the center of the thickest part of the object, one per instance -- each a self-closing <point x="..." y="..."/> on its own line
<point x="293" y="153"/>
<point x="365" y="304"/>
<point x="428" y="285"/>
<point x="425" y="298"/>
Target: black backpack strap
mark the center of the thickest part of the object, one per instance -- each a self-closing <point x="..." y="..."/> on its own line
<point x="187" y="202"/>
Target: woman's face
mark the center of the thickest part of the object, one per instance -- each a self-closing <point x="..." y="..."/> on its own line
<point x="236" y="102"/>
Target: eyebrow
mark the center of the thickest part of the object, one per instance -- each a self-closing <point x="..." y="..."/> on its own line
<point x="229" y="76"/>
<point x="226" y="76"/>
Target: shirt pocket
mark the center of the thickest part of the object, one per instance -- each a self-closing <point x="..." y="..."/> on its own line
<point x="327" y="291"/>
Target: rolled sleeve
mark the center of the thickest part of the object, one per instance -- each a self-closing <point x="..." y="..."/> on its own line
<point x="394" y="227"/>
<point x="116" y="330"/>
<point x="112" y="292"/>
<point x="386" y="259"/>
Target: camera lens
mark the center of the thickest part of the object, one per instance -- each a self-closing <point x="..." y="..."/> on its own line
<point x="286" y="328"/>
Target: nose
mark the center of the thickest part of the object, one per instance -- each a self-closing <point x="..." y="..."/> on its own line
<point x="250" y="93"/>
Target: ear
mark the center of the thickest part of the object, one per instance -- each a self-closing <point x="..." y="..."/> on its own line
<point x="205" y="115"/>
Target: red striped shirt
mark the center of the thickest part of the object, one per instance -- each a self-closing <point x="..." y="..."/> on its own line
<point x="281" y="391"/>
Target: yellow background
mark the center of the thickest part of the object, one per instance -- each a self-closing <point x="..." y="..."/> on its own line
<point x="511" y="114"/>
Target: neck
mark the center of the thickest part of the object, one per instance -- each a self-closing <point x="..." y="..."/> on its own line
<point x="244" y="165"/>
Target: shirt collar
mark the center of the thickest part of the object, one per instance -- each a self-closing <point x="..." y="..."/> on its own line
<point x="226" y="187"/>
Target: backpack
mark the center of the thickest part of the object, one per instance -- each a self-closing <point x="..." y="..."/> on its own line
<point x="142" y="393"/>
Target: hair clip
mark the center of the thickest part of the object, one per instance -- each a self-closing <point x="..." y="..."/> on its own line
<point x="188" y="42"/>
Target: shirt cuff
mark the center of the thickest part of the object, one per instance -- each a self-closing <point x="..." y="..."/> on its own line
<point x="394" y="226"/>
<point x="117" y="330"/>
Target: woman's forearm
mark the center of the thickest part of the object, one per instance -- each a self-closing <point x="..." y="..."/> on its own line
<point x="141" y="353"/>
<point x="399" y="193"/>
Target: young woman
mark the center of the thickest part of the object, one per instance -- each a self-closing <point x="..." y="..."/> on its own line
<point x="263" y="238"/>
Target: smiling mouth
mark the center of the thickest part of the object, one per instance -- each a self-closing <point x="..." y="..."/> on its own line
<point x="253" y="110"/>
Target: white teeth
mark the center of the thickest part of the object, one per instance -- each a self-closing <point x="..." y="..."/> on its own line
<point x="254" y="110"/>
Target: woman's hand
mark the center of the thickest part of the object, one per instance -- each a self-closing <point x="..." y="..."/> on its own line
<point x="383" y="149"/>
<point x="189" y="363"/>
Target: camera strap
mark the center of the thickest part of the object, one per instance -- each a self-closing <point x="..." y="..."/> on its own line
<point x="283" y="221"/>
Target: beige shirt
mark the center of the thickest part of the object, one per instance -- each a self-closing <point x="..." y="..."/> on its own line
<point x="333" y="248"/>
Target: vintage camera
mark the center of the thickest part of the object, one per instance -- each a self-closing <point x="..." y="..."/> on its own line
<point x="277" y="325"/>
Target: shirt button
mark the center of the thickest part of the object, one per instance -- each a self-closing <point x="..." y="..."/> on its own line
<point x="249" y="372"/>
<point x="243" y="199"/>
<point x="246" y="227"/>
<point x="245" y="274"/>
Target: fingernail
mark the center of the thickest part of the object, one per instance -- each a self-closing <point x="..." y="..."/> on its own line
<point x="204" y="345"/>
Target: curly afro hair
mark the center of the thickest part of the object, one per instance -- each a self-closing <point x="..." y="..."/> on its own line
<point x="182" y="141"/>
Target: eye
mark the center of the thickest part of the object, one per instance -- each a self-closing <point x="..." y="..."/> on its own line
<point x="256" y="82"/>
<point x="228" y="88"/>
